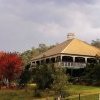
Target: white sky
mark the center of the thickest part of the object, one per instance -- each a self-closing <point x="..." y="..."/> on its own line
<point x="26" y="23"/>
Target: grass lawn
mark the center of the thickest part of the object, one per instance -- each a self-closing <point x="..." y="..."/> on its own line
<point x="29" y="95"/>
<point x="19" y="95"/>
<point x="86" y="92"/>
<point x="15" y="95"/>
<point x="88" y="97"/>
<point x="76" y="89"/>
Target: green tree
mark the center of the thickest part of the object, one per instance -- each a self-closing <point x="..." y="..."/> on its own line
<point x="48" y="76"/>
<point x="60" y="82"/>
<point x="96" y="43"/>
<point x="42" y="48"/>
<point x="92" y="73"/>
<point x="29" y="54"/>
<point x="25" y="76"/>
<point x="43" y="76"/>
<point x="26" y="56"/>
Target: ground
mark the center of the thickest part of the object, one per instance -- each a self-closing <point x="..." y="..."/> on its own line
<point x="86" y="92"/>
<point x="29" y="94"/>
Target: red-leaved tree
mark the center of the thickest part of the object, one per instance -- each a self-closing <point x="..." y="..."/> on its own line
<point x="10" y="66"/>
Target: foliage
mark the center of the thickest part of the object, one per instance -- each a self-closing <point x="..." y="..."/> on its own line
<point x="96" y="43"/>
<point x="26" y="56"/>
<point x="42" y="48"/>
<point x="60" y="81"/>
<point x="25" y="76"/>
<point x="48" y="76"/>
<point x="29" y="54"/>
<point x="10" y="66"/>
<point x="92" y="73"/>
<point x="43" y="76"/>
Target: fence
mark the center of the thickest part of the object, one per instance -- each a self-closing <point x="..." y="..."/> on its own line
<point x="88" y="96"/>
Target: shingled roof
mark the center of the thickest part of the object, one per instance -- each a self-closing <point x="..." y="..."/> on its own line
<point x="72" y="47"/>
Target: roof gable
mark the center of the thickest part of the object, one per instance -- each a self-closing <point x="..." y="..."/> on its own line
<point x="55" y="50"/>
<point x="81" y="48"/>
<point x="72" y="46"/>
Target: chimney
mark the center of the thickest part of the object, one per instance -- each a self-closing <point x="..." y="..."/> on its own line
<point x="70" y="36"/>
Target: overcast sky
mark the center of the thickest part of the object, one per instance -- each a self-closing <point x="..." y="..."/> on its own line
<point x="26" y="23"/>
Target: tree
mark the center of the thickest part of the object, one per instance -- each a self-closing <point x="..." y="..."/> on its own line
<point x="42" y="48"/>
<point x="10" y="66"/>
<point x="29" y="54"/>
<point x="96" y="43"/>
<point x="48" y="76"/>
<point x="25" y="76"/>
<point x="26" y="56"/>
<point x="60" y="82"/>
<point x="43" y="76"/>
<point x="92" y="73"/>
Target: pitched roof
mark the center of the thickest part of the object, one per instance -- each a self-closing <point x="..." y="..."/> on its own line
<point x="73" y="47"/>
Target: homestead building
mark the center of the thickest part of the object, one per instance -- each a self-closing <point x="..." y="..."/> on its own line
<point x="72" y="53"/>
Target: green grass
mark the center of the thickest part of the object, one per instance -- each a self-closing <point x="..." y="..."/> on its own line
<point x="86" y="92"/>
<point x="15" y="95"/>
<point x="76" y="89"/>
<point x="88" y="97"/>
<point x="20" y="95"/>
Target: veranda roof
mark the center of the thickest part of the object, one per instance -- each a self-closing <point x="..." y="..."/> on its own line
<point x="72" y="47"/>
